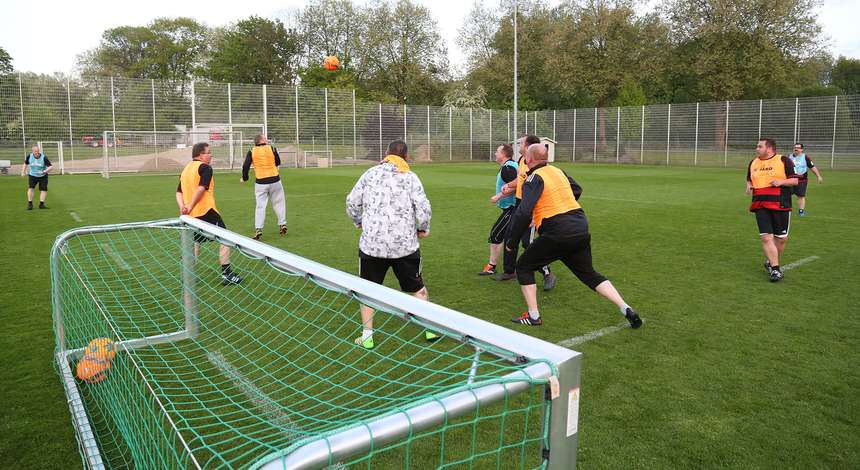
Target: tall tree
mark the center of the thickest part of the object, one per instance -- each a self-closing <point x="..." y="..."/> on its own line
<point x="5" y="62"/>
<point x="846" y="75"/>
<point x="331" y="27"/>
<point x="254" y="50"/>
<point x="169" y="49"/>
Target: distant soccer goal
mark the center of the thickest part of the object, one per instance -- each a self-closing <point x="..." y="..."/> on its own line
<point x="50" y="146"/>
<point x="316" y="159"/>
<point x="160" y="151"/>
<point x="165" y="367"/>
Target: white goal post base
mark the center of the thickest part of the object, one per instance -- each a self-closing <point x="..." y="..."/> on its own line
<point x="559" y="365"/>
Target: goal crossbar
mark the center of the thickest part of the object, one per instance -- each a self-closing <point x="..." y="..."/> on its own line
<point x="558" y="365"/>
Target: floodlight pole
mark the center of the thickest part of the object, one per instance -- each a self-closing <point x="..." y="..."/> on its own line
<point x="516" y="111"/>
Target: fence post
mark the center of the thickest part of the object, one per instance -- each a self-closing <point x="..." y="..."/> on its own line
<point x="491" y="134"/>
<point x="265" y="112"/>
<point x="573" y="157"/>
<point x="760" y="103"/>
<point x="154" y="125"/>
<point x="796" y="103"/>
<point x="726" y="143"/>
<point x="642" y="139"/>
<point x="618" y="136"/>
<point x="668" y="132"/>
<point x="526" y="123"/>
<point x="193" y="107"/>
<point x="450" y="138"/>
<point x="230" y="122"/>
<point x="553" y="126"/>
<point x="470" y="133"/>
<point x="509" y="125"/>
<point x="380" y="132"/>
<point x="595" y="135"/>
<point x="429" y="144"/>
<point x="354" y="151"/>
<point x="833" y="142"/>
<point x="21" y="98"/>
<point x="696" y="145"/>
<point x="404" y="123"/>
<point x="113" y="118"/>
<point x="71" y="136"/>
<point x="325" y="97"/>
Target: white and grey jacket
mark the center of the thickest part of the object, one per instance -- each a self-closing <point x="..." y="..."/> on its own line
<point x="390" y="207"/>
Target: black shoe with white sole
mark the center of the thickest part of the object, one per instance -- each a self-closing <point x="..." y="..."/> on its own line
<point x="633" y="318"/>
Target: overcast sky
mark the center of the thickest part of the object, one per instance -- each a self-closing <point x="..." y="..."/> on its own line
<point x="45" y="37"/>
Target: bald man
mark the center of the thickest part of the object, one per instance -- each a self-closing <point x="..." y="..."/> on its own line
<point x="550" y="203"/>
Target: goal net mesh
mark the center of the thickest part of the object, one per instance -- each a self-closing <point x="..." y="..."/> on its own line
<point x="273" y="365"/>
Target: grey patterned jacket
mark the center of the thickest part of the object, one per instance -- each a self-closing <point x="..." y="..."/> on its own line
<point x="390" y="207"/>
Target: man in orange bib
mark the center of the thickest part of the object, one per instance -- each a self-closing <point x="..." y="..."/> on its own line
<point x="267" y="184"/>
<point x="550" y="204"/>
<point x="195" y="196"/>
<point x="770" y="178"/>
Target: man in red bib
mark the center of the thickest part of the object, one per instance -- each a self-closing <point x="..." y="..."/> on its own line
<point x="770" y="178"/>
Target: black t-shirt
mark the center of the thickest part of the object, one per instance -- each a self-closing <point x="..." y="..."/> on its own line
<point x="205" y="172"/>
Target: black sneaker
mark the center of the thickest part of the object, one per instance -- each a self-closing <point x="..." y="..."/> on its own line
<point x="549" y="281"/>
<point x="230" y="278"/>
<point x="42" y="205"/>
<point x="282" y="229"/>
<point x="633" y="318"/>
<point x="505" y="276"/>
<point x="30" y="205"/>
<point x="525" y="319"/>
<point x="776" y="275"/>
<point x="767" y="266"/>
<point x="258" y="234"/>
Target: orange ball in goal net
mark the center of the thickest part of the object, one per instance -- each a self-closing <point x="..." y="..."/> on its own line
<point x="331" y="63"/>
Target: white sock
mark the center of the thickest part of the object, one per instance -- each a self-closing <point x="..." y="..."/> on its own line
<point x="624" y="309"/>
<point x="366" y="333"/>
<point x="534" y="314"/>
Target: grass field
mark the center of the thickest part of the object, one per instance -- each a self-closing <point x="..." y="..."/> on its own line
<point x="729" y="371"/>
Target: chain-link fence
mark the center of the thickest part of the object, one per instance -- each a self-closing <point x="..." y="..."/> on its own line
<point x="82" y="122"/>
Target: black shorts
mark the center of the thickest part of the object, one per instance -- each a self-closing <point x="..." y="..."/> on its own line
<point x="800" y="189"/>
<point x="407" y="270"/>
<point x="42" y="181"/>
<point x="213" y="217"/>
<point x="773" y="222"/>
<point x="574" y="251"/>
<point x="500" y="227"/>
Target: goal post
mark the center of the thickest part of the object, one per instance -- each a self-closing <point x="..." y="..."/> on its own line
<point x="264" y="374"/>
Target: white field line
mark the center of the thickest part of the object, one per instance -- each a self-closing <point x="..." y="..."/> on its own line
<point x="75" y="216"/>
<point x="115" y="256"/>
<point x="570" y="342"/>
<point x="799" y="263"/>
<point x="258" y="398"/>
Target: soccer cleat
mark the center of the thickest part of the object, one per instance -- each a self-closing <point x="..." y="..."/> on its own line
<point x="633" y="318"/>
<point x="258" y="234"/>
<point x="430" y="336"/>
<point x="30" y="205"/>
<point x="525" y="319"/>
<point x="42" y="205"/>
<point x="776" y="275"/>
<point x="365" y="343"/>
<point x="505" y="276"/>
<point x="767" y="266"/>
<point x="801" y="212"/>
<point x="282" y="229"/>
<point x="488" y="270"/>
<point x="230" y="278"/>
<point x="549" y="281"/>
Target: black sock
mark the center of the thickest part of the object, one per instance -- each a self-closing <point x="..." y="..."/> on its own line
<point x="225" y="268"/>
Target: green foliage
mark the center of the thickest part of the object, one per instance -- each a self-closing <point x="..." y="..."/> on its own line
<point x="846" y="75"/>
<point x="315" y="75"/>
<point x="254" y="50"/>
<point x="5" y="62"/>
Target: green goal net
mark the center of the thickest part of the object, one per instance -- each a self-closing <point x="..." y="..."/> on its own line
<point x="165" y="367"/>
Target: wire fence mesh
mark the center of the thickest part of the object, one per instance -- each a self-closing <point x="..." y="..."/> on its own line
<point x="305" y="121"/>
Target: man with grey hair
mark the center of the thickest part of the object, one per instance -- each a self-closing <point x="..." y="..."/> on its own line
<point x="390" y="207"/>
<point x="36" y="167"/>
<point x="267" y="184"/>
<point x="550" y="203"/>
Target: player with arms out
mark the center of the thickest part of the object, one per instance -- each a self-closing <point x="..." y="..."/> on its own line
<point x="802" y="166"/>
<point x="36" y="167"/>
<point x="507" y="173"/>
<point x="195" y="196"/>
<point x="770" y="178"/>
